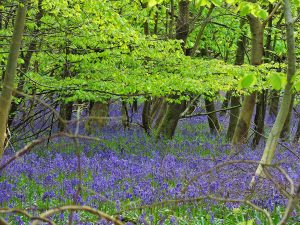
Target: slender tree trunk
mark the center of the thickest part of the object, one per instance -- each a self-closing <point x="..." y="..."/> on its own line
<point x="171" y="25"/>
<point x="235" y="100"/>
<point x="274" y="103"/>
<point x="146" y="120"/>
<point x="226" y="102"/>
<point x="201" y="31"/>
<point x="65" y="108"/>
<point x="25" y="66"/>
<point x="212" y="118"/>
<point x="182" y="25"/>
<point x="146" y="23"/>
<point x="268" y="45"/>
<point x="234" y="115"/>
<point x="125" y="115"/>
<point x="243" y="125"/>
<point x="135" y="106"/>
<point x="274" y="94"/>
<point x="9" y="79"/>
<point x="155" y="31"/>
<point x="65" y="113"/>
<point x="259" y="120"/>
<point x="272" y="141"/>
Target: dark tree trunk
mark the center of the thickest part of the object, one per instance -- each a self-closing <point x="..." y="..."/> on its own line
<point x="182" y="25"/>
<point x="226" y="102"/>
<point x="146" y="120"/>
<point x="171" y="25"/>
<point x="268" y="45"/>
<point x="234" y="115"/>
<point x="135" y="106"/>
<point x="274" y="104"/>
<point x="156" y="23"/>
<point x="169" y="122"/>
<point x="212" y="118"/>
<point x="65" y="113"/>
<point x="235" y="100"/>
<point x="125" y="115"/>
<point x="259" y="120"/>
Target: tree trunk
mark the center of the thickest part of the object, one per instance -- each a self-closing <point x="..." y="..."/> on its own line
<point x="226" y="102"/>
<point x="274" y="103"/>
<point x="201" y="31"/>
<point x="182" y="25"/>
<point x="135" y="106"/>
<point x="259" y="120"/>
<point x="10" y="74"/>
<point x="98" y="118"/>
<point x="161" y="110"/>
<point x="169" y="122"/>
<point x="243" y="125"/>
<point x="125" y="115"/>
<point x="272" y="141"/>
<point x="268" y="45"/>
<point x="212" y="118"/>
<point x="167" y="125"/>
<point x="235" y="100"/>
<point x="65" y="113"/>
<point x="242" y="128"/>
<point x="171" y="25"/>
<point x="234" y="115"/>
<point x="146" y="120"/>
<point x="25" y="66"/>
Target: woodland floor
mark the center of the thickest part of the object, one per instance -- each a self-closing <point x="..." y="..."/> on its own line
<point x="129" y="169"/>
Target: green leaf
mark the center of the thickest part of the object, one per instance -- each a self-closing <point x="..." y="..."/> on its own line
<point x="199" y="3"/>
<point x="297" y="86"/>
<point x="276" y="81"/>
<point x="245" y="8"/>
<point x="152" y="3"/>
<point x="248" y="81"/>
<point x="262" y="14"/>
<point x="296" y="3"/>
<point x="217" y="2"/>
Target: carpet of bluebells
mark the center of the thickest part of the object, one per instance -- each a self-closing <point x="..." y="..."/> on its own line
<point x="129" y="169"/>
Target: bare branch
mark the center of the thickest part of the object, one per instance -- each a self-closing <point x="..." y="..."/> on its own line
<point x="79" y="208"/>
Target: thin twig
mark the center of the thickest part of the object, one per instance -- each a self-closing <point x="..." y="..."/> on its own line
<point x="79" y="208"/>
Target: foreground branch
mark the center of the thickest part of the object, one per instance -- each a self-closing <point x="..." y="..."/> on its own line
<point x="79" y="208"/>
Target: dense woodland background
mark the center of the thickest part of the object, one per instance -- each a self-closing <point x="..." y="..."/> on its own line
<point x="149" y="112"/>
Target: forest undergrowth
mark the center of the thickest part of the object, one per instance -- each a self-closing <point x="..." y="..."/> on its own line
<point x="196" y="178"/>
